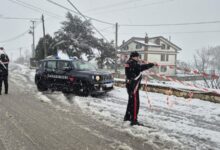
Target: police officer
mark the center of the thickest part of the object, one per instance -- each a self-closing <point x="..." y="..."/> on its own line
<point x="4" y="60"/>
<point x="133" y="71"/>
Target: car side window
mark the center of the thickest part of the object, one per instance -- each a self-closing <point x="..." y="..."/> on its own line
<point x="51" y="65"/>
<point x="62" y="64"/>
<point x="40" y="65"/>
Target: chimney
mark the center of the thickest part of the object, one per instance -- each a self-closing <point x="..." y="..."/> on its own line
<point x="123" y="42"/>
<point x="146" y="39"/>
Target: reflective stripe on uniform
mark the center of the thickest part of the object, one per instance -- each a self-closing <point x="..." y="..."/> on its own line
<point x="135" y="101"/>
<point x="126" y="65"/>
<point x="3" y="64"/>
<point x="138" y="76"/>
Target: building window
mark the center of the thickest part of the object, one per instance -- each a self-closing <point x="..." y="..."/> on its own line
<point x="157" y="41"/>
<point x="167" y="57"/>
<point x="168" y="46"/>
<point x="163" y="46"/>
<point x="163" y="69"/>
<point x="164" y="57"/>
<point x="138" y="46"/>
<point x="126" y="47"/>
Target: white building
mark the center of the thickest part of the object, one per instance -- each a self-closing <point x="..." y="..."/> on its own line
<point x="155" y="49"/>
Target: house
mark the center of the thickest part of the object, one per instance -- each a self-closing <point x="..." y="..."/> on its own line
<point x="155" y="49"/>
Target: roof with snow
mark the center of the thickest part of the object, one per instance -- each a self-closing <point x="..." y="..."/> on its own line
<point x="142" y="41"/>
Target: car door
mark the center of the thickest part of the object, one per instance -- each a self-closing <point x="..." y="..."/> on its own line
<point x="50" y="71"/>
<point x="62" y="72"/>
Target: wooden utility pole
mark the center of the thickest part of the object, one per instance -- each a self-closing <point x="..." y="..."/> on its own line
<point x="44" y="39"/>
<point x="20" y="51"/>
<point x="32" y="32"/>
<point x="116" y="46"/>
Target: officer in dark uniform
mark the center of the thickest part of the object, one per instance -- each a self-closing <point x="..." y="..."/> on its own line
<point x="4" y="60"/>
<point x="133" y="74"/>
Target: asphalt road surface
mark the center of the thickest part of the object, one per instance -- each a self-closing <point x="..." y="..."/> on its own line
<point x="27" y="123"/>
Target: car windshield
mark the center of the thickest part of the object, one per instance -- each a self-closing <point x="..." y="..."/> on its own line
<point x="79" y="65"/>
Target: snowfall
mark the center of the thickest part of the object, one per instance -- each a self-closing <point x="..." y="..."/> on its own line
<point x="184" y="123"/>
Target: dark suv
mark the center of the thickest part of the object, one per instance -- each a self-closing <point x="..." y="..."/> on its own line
<point x="72" y="76"/>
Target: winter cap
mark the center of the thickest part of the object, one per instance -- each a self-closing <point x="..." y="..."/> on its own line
<point x="134" y="54"/>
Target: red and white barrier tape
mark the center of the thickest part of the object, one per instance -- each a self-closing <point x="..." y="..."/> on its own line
<point x="181" y="82"/>
<point x="148" y="99"/>
<point x="194" y="71"/>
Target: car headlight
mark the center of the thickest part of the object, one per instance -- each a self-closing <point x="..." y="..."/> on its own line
<point x="97" y="78"/>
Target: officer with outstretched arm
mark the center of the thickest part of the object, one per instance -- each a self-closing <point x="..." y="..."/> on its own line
<point x="133" y="74"/>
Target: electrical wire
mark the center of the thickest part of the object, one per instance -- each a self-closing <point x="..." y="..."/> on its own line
<point x="18" y="36"/>
<point x="171" y="24"/>
<point x="34" y="8"/>
<point x="122" y="3"/>
<point x="133" y="7"/>
<point x="97" y="20"/>
<point x="211" y="31"/>
<point x="86" y="19"/>
<point x="17" y="18"/>
<point x="104" y="29"/>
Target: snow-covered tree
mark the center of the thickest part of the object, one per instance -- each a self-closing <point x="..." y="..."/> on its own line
<point x="76" y="37"/>
<point x="107" y="54"/>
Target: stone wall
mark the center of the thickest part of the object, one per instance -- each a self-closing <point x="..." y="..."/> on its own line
<point x="212" y="97"/>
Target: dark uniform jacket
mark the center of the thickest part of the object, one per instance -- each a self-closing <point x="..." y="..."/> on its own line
<point x="133" y="69"/>
<point x="4" y="65"/>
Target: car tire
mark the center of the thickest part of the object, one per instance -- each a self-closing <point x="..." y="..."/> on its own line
<point x="40" y="86"/>
<point x="84" y="90"/>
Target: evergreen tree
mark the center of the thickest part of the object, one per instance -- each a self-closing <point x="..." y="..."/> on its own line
<point x="107" y="54"/>
<point x="76" y="37"/>
<point x="40" y="48"/>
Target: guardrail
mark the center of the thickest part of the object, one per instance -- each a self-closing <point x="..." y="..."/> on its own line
<point x="207" y="96"/>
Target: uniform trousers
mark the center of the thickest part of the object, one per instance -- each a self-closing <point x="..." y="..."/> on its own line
<point x="133" y="100"/>
<point x="4" y="79"/>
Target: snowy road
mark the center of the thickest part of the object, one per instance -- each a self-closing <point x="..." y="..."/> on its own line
<point x="33" y="120"/>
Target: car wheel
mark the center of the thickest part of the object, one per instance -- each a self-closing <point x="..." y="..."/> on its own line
<point x="66" y="92"/>
<point x="84" y="90"/>
<point x="40" y="86"/>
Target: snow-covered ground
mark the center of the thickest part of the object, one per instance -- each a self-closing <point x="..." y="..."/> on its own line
<point x="183" y="124"/>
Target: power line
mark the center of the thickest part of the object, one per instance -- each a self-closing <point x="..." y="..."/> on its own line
<point x="112" y="5"/>
<point x="104" y="29"/>
<point x="132" y="7"/>
<point x="101" y="21"/>
<point x="189" y="32"/>
<point x="34" y="8"/>
<point x="171" y="24"/>
<point x="17" y="36"/>
<point x="86" y="20"/>
<point x="18" y="18"/>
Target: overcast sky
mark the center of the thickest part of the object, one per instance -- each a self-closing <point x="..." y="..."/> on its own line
<point x="191" y="37"/>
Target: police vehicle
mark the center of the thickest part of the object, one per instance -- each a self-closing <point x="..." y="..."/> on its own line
<point x="72" y="76"/>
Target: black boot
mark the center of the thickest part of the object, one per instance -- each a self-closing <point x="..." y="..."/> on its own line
<point x="136" y="123"/>
<point x="127" y="118"/>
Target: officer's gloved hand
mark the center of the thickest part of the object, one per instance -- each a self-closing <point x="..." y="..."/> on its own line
<point x="156" y="64"/>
